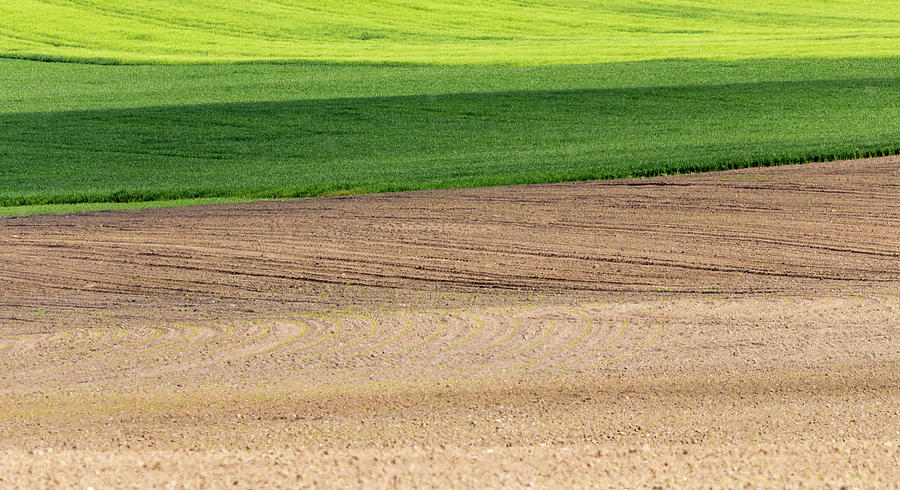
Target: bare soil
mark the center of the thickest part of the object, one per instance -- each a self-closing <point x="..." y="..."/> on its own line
<point x="726" y="329"/>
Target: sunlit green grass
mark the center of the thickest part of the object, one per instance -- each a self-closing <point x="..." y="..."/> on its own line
<point x="443" y="31"/>
<point x="176" y="102"/>
<point x="34" y="87"/>
<point x="313" y="146"/>
<point x="108" y="206"/>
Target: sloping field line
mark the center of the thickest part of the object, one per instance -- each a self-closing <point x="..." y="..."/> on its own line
<point x="121" y="335"/>
<point x="21" y="336"/>
<point x="339" y="329"/>
<point x="606" y="345"/>
<point x="303" y="330"/>
<point x="431" y="354"/>
<point x="456" y="345"/>
<point x="634" y="351"/>
<point x="110" y="341"/>
<point x="194" y="332"/>
<point x="566" y="347"/>
<point x="159" y="333"/>
<point x="505" y="338"/>
<point x="60" y="333"/>
<point x="90" y="359"/>
<point x="266" y="328"/>
<point x="11" y="344"/>
<point x="95" y="332"/>
<point x="340" y="348"/>
<point x="532" y="345"/>
<point x="441" y="330"/>
<point x="242" y="343"/>
<point x="381" y="371"/>
<point x="480" y="323"/>
<point x="507" y="354"/>
<point x="340" y="326"/>
<point x="229" y="330"/>
<point x="422" y="343"/>
<point x="80" y="345"/>
<point x="358" y="339"/>
<point x="390" y="341"/>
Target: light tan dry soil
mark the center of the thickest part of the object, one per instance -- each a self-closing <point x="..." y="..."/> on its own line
<point x="727" y="329"/>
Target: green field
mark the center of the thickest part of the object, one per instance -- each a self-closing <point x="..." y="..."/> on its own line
<point x="442" y="31"/>
<point x="218" y="101"/>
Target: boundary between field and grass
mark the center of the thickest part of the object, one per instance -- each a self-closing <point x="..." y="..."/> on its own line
<point x="116" y="206"/>
<point x="441" y="135"/>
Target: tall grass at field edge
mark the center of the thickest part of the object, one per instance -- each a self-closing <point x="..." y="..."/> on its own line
<point x="100" y="201"/>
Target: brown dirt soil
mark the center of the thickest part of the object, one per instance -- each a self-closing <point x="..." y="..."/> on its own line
<point x="726" y="329"/>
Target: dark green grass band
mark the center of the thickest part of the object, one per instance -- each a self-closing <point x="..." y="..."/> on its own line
<point x="50" y="87"/>
<point x="312" y="146"/>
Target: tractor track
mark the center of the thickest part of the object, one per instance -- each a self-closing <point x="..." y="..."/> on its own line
<point x="744" y="320"/>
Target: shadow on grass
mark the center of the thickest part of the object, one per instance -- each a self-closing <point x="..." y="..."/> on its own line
<point x="307" y="148"/>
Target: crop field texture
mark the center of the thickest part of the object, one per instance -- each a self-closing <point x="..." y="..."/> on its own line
<point x="230" y="101"/>
<point x="542" y="244"/>
<point x="443" y="32"/>
<point x="726" y="329"/>
<point x="309" y="147"/>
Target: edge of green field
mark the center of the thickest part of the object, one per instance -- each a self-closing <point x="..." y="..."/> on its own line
<point x="258" y="132"/>
<point x="84" y="207"/>
<point x="10" y="211"/>
<point x="444" y="31"/>
<point x="129" y="105"/>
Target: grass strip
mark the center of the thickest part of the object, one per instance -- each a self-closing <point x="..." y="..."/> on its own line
<point x="306" y="148"/>
<point x="27" y="86"/>
<point x="441" y="31"/>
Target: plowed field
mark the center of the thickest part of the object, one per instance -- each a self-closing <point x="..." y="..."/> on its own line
<point x="726" y="329"/>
